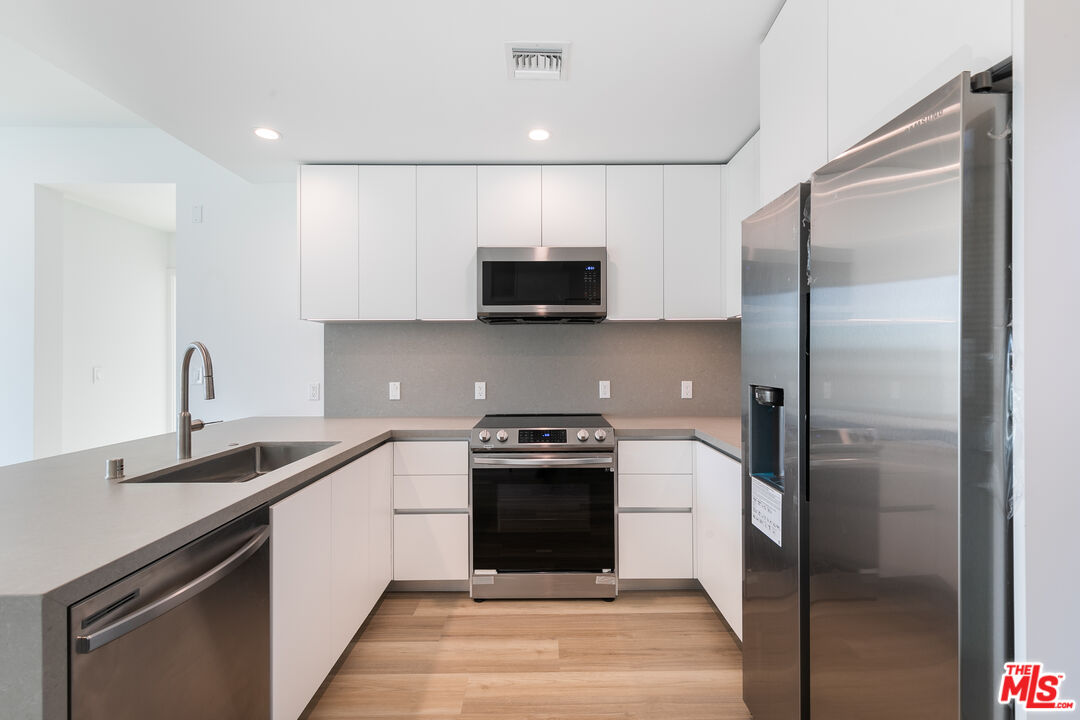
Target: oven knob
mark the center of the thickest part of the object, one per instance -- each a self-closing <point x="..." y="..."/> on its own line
<point x="600" y="435"/>
<point x="484" y="436"/>
<point x="501" y="436"/>
<point x="582" y="435"/>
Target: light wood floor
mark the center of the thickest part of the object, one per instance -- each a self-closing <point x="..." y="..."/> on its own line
<point x="662" y="655"/>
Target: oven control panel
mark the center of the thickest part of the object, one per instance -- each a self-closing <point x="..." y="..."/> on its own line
<point x="497" y="433"/>
<point x="529" y="437"/>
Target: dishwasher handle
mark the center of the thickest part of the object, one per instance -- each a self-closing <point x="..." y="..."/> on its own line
<point x="88" y="643"/>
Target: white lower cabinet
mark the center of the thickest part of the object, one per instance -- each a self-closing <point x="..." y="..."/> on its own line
<point x="431" y="546"/>
<point x="300" y="609"/>
<point x="656" y="545"/>
<point x="330" y="561"/>
<point x="380" y="522"/>
<point x="349" y="560"/>
<point x="718" y="532"/>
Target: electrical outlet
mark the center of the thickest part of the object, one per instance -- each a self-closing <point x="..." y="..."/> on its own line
<point x="605" y="389"/>
<point x="313" y="391"/>
<point x="196" y="213"/>
<point x="197" y="379"/>
<point x="395" y="390"/>
<point x="687" y="389"/>
<point x="480" y="390"/>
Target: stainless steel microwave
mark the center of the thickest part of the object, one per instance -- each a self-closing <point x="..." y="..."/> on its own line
<point x="541" y="284"/>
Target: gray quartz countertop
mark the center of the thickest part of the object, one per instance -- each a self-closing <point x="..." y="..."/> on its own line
<point x="65" y="531"/>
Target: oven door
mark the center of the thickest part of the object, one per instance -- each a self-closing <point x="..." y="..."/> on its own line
<point x="543" y="513"/>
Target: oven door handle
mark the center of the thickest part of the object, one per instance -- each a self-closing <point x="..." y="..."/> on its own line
<point x="543" y="462"/>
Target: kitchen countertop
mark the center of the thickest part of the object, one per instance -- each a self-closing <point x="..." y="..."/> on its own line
<point x="65" y="531"/>
<point x="62" y="524"/>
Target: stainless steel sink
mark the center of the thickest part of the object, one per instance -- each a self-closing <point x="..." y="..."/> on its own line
<point x="237" y="465"/>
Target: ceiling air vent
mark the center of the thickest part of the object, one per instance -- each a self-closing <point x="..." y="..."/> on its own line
<point x="537" y="60"/>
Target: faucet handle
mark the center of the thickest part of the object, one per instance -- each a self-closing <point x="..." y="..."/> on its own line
<point x="199" y="424"/>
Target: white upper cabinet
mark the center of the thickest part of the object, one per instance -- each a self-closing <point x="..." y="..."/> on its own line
<point x="508" y="205"/>
<point x="635" y="242"/>
<point x="917" y="44"/>
<point x="693" y="257"/>
<point x="329" y="263"/>
<point x="794" y="72"/>
<point x="572" y="205"/>
<point x="387" y="237"/>
<point x="446" y="242"/>
<point x="741" y="199"/>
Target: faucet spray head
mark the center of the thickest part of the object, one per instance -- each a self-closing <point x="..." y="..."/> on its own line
<point x="208" y="383"/>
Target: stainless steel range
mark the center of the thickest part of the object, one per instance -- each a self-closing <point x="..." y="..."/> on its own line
<point x="542" y="520"/>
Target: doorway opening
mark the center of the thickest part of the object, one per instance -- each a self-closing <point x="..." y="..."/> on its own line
<point x="104" y="315"/>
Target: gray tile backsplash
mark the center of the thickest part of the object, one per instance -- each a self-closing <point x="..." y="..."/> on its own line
<point x="531" y="368"/>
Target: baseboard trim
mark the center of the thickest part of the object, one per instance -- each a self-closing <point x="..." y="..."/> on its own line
<point x="428" y="586"/>
<point x="632" y="584"/>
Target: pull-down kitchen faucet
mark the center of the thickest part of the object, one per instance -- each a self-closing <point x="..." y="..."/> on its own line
<point x="184" y="424"/>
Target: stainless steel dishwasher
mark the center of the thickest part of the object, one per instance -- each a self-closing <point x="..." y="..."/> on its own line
<point x="185" y="637"/>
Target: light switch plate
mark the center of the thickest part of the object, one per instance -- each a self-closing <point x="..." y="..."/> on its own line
<point x="480" y="390"/>
<point x="687" y="389"/>
<point x="97" y="375"/>
<point x="395" y="390"/>
<point x="605" y="389"/>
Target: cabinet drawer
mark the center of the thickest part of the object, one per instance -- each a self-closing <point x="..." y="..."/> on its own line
<point x="431" y="458"/>
<point x="431" y="547"/>
<point x="656" y="491"/>
<point x="656" y="545"/>
<point x="431" y="492"/>
<point x="656" y="457"/>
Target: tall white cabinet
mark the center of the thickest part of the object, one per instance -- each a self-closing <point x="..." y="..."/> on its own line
<point x="446" y="242"/>
<point x="693" y="256"/>
<point x="635" y="242"/>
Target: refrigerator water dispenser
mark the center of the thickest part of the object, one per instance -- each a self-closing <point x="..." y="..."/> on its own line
<point x="766" y="441"/>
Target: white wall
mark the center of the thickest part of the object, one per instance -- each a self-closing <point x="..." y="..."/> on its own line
<point x="1046" y="255"/>
<point x="237" y="283"/>
<point x="115" y="317"/>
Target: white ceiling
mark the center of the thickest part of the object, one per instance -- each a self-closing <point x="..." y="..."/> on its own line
<point x="151" y="204"/>
<point x="36" y="93"/>
<point x="403" y="81"/>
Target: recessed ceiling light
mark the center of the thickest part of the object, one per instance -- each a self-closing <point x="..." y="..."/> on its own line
<point x="267" y="133"/>
<point x="539" y="134"/>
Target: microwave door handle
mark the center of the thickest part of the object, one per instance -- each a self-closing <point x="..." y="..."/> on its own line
<point x="88" y="643"/>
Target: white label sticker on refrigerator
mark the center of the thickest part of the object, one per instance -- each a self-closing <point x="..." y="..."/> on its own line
<point x="766" y="504"/>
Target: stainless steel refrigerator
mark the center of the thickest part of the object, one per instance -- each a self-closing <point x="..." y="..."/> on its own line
<point x="876" y="425"/>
